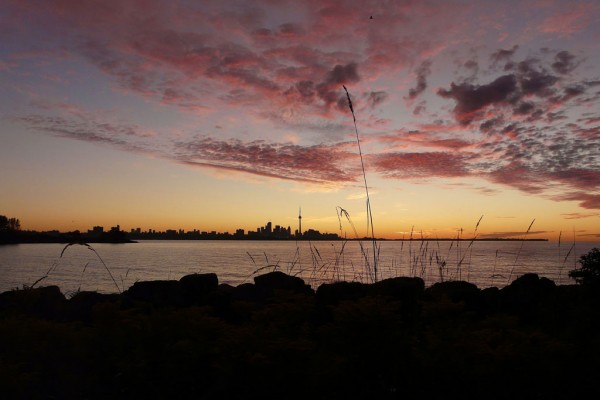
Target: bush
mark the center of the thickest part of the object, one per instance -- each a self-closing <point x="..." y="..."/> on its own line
<point x="589" y="272"/>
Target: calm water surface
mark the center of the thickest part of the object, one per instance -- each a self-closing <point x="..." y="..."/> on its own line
<point x="235" y="262"/>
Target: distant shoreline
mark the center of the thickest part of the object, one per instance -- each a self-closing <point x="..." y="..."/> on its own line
<point x="66" y="239"/>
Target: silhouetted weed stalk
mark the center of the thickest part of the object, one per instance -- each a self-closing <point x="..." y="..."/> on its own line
<point x="371" y="270"/>
<point x="519" y="252"/>
<point x="369" y="211"/>
<point x="55" y="266"/>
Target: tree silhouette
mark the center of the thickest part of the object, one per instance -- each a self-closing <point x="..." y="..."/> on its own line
<point x="9" y="224"/>
<point x="14" y="224"/>
<point x="9" y="229"/>
<point x="589" y="272"/>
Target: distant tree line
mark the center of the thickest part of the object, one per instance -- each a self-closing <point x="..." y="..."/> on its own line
<point x="11" y="233"/>
<point x="9" y="224"/>
<point x="10" y="229"/>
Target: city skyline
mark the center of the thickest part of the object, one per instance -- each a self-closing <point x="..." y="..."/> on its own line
<point x="159" y="114"/>
<point x="268" y="231"/>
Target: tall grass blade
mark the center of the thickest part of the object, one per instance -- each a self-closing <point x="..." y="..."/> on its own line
<point x="519" y="252"/>
<point x="362" y="164"/>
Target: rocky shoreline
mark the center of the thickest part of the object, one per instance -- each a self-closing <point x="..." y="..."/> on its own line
<point x="279" y="338"/>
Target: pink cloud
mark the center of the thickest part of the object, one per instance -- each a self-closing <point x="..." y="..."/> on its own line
<point x="580" y="215"/>
<point x="589" y="201"/>
<point x="324" y="164"/>
<point x="574" y="18"/>
<point x="422" y="139"/>
<point x="156" y="49"/>
<point x="420" y="165"/>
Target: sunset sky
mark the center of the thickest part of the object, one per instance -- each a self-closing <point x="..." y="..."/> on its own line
<point x="217" y="115"/>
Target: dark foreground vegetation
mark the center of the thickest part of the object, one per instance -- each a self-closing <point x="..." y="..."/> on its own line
<point x="278" y="338"/>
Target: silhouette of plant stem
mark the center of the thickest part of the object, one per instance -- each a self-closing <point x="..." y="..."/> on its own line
<point x="559" y="264"/>
<point x="55" y="265"/>
<point x="364" y="252"/>
<point x="519" y="252"/>
<point x="369" y="211"/>
<point x="470" y="249"/>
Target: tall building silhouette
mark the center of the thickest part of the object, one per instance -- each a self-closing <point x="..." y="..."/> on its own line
<point x="300" y="221"/>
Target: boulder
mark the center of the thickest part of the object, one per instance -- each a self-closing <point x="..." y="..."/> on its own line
<point x="526" y="293"/>
<point x="196" y="287"/>
<point x="278" y="280"/>
<point x="157" y="293"/>
<point x="333" y="293"/>
<point x="44" y="302"/>
<point x="401" y="288"/>
<point x="81" y="305"/>
<point x="455" y="291"/>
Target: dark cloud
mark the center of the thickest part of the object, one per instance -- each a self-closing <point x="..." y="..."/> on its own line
<point x="490" y="124"/>
<point x="262" y="33"/>
<point x="419" y="108"/>
<point x="306" y="89"/>
<point x="376" y="98"/>
<point x="528" y="92"/>
<point x="328" y="91"/>
<point x="291" y="29"/>
<point x="572" y="91"/>
<point x="564" y="62"/>
<point x="503" y="55"/>
<point x="422" y="72"/>
<point x="472" y="98"/>
<point x="537" y="82"/>
<point x="342" y="74"/>
<point x="524" y="108"/>
<point x="472" y="65"/>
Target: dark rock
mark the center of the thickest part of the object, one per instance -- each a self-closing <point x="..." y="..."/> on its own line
<point x="531" y="281"/>
<point x="81" y="305"/>
<point x="455" y="291"/>
<point x="526" y="293"/>
<point x="220" y="298"/>
<point x="333" y="293"/>
<point x="44" y="302"/>
<point x="402" y="288"/>
<point x="244" y="292"/>
<point x="196" y="287"/>
<point x="278" y="280"/>
<point x="158" y="293"/>
<point x="490" y="298"/>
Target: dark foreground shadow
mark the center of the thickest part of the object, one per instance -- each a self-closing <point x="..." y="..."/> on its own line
<point x="278" y="338"/>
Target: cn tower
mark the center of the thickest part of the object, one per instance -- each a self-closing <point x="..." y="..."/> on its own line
<point x="300" y="221"/>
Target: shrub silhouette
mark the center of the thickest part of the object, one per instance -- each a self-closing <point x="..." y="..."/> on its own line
<point x="589" y="272"/>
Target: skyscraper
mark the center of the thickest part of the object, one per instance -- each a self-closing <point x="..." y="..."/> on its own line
<point x="299" y="221"/>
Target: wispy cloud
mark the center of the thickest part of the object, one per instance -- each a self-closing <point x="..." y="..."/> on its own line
<point x="580" y="215"/>
<point x="499" y="235"/>
<point x="422" y="72"/>
<point x="325" y="164"/>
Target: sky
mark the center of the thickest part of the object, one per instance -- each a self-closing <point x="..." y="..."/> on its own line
<point x="218" y="115"/>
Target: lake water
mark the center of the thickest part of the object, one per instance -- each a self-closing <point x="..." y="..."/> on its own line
<point x="482" y="263"/>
